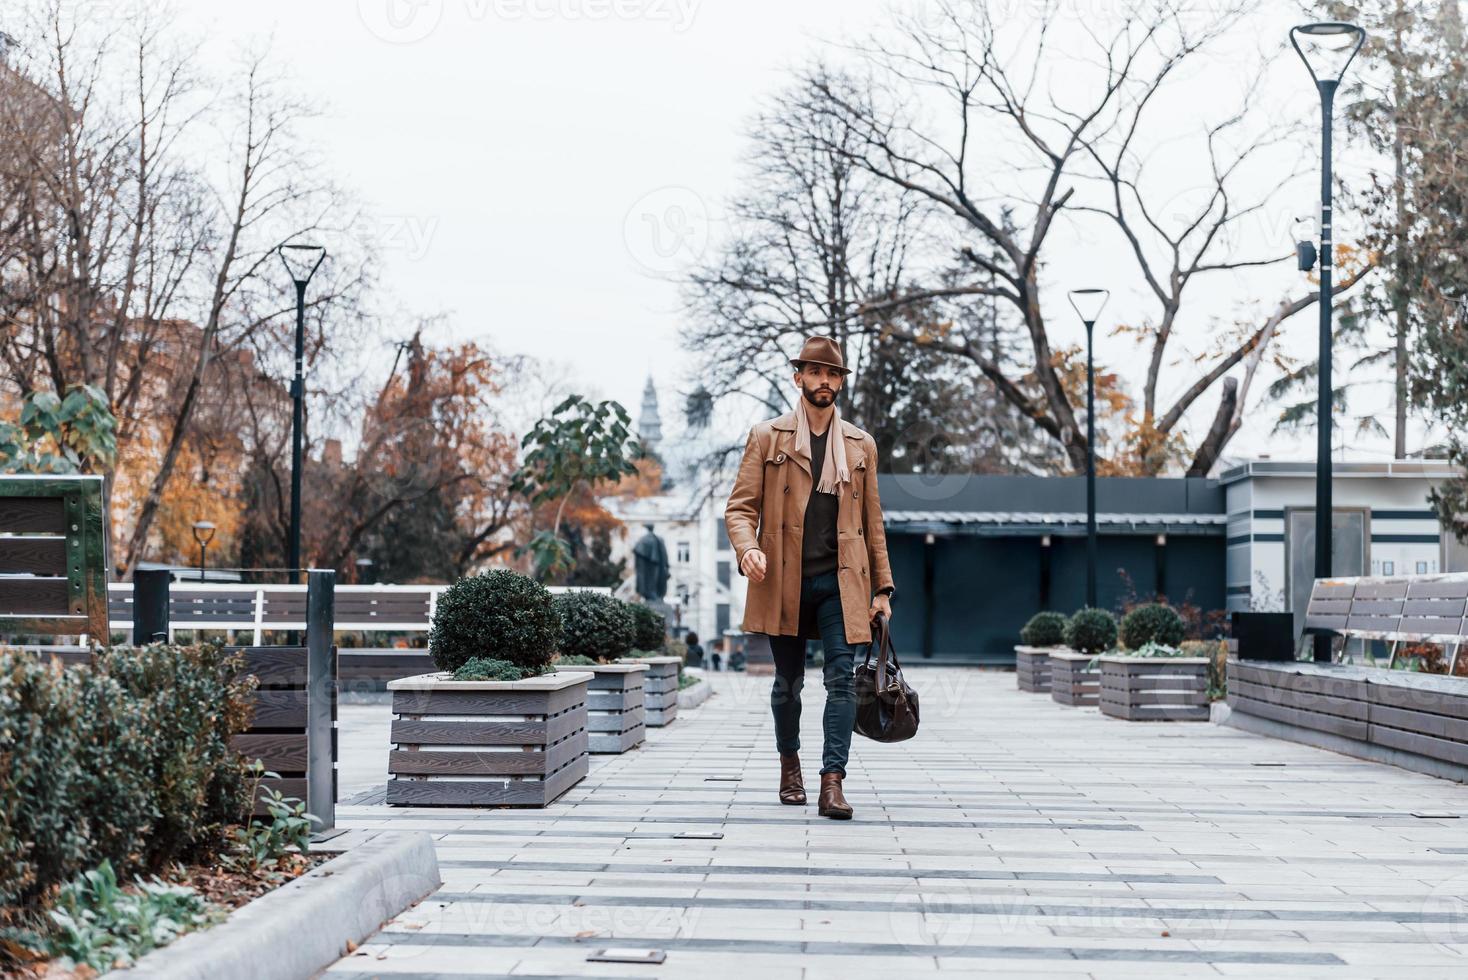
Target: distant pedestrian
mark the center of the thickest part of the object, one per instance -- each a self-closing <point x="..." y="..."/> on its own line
<point x="695" y="652"/>
<point x="716" y="654"/>
<point x="806" y="525"/>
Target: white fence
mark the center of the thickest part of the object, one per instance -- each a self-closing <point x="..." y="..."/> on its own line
<point x="254" y="609"/>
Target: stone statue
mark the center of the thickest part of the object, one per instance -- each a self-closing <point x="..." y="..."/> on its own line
<point x="651" y="558"/>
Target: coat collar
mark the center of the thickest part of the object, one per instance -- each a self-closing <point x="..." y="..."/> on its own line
<point x="786" y="423"/>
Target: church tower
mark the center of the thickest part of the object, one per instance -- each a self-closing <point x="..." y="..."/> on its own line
<point x="649" y="423"/>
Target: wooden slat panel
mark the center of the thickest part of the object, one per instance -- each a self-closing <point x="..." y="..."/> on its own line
<point x="1417" y="699"/>
<point x="280" y="753"/>
<point x="35" y="556"/>
<point x="33" y="597"/>
<point x="1456" y="588"/>
<point x="280" y="709"/>
<point x="276" y="666"/>
<point x="1433" y="625"/>
<point x="1326" y="589"/>
<point x="1376" y="607"/>
<point x="1327" y="623"/>
<point x="1381" y="589"/>
<point x="1433" y="748"/>
<point x="1345" y="727"/>
<point x="1378" y="624"/>
<point x="1438" y="726"/>
<point x="1313" y="703"/>
<point x="407" y="732"/>
<point x="32" y="515"/>
<point x="480" y="763"/>
<point x="1433" y="607"/>
<point x="1326" y="607"/>
<point x="470" y="703"/>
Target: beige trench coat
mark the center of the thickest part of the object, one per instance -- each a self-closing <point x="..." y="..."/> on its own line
<point x="767" y="508"/>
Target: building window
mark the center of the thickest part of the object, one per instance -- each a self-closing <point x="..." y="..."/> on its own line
<point x="683" y="552"/>
<point x="683" y="594"/>
<point x="1422" y="568"/>
<point x="721" y="536"/>
<point x="1388" y="568"/>
<point x="721" y="618"/>
<point x="724" y="571"/>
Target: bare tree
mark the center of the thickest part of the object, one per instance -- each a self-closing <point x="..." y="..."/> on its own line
<point x="1002" y="123"/>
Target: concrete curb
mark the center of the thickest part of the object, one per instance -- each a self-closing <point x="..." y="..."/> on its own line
<point x="697" y="694"/>
<point x="302" y="928"/>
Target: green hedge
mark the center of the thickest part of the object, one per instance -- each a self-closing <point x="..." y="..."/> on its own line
<point x="650" y="627"/>
<point x="1045" y="629"/>
<point x="500" y="615"/>
<point x="1091" y="631"/>
<point x="1152" y="623"/>
<point x="595" y="625"/>
<point x="126" y="760"/>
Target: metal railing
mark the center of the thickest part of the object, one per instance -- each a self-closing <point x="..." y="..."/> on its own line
<point x="258" y="608"/>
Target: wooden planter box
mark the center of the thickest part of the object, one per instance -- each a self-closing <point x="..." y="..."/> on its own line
<point x="1155" y="688"/>
<point x="1032" y="667"/>
<point x="615" y="716"/>
<point x="1071" y="681"/>
<point x="487" y="743"/>
<point x="660" y="690"/>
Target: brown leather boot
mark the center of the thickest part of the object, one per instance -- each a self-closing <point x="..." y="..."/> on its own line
<point x="792" y="787"/>
<point x="832" y="804"/>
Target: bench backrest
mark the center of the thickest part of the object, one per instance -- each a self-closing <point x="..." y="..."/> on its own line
<point x="53" y="556"/>
<point x="1427" y="608"/>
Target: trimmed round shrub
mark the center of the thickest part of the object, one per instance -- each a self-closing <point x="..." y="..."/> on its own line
<point x="1091" y="631"/>
<point x="595" y="625"/>
<point x="651" y="627"/>
<point x="501" y="615"/>
<point x="492" y="669"/>
<point x="1152" y="623"/>
<point x="1045" y="629"/>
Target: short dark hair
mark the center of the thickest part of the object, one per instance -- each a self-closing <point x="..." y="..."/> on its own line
<point x="692" y="637"/>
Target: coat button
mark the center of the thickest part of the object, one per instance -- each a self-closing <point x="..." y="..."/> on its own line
<point x="786" y="490"/>
<point x="859" y="530"/>
<point x="855" y="495"/>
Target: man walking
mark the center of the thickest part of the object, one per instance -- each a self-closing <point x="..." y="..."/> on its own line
<point x="805" y="521"/>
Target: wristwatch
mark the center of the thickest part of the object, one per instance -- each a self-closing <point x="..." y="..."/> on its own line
<point x="887" y="591"/>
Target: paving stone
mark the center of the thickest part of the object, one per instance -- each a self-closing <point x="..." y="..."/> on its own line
<point x="1012" y="836"/>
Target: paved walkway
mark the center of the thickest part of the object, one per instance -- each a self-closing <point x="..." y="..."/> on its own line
<point x="1012" y="836"/>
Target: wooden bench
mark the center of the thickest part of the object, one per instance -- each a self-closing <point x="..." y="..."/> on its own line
<point x="1393" y="611"/>
<point x="53" y="557"/>
<point x="1413" y="719"/>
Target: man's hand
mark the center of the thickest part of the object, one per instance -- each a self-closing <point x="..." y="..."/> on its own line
<point x="753" y="565"/>
<point x="880" y="604"/>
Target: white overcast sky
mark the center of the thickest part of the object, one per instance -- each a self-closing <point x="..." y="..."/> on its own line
<point x="521" y="158"/>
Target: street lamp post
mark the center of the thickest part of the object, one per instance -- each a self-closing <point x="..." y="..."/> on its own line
<point x="301" y="261"/>
<point x="1088" y="303"/>
<point x="203" y="534"/>
<point x="1331" y="47"/>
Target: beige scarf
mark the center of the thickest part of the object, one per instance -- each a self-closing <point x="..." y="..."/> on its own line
<point x="833" y="464"/>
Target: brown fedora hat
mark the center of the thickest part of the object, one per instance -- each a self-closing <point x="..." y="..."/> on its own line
<point x="821" y="350"/>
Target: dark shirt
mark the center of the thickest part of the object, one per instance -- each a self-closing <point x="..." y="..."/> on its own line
<point x="818" y="539"/>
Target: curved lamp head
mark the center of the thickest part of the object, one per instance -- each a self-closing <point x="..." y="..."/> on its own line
<point x="1327" y="48"/>
<point x="301" y="261"/>
<point x="203" y="532"/>
<point x="1089" y="303"/>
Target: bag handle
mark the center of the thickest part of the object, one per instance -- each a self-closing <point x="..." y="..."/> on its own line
<point x="882" y="638"/>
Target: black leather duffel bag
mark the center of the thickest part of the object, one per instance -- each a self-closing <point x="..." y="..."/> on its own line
<point x="886" y="706"/>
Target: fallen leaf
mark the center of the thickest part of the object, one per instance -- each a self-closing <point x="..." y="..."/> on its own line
<point x="1166" y="933"/>
<point x="584" y="933"/>
<point x="351" y="946"/>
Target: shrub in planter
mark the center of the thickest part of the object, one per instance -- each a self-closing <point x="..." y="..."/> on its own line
<point x="1091" y="631"/>
<point x="651" y="628"/>
<point x="493" y="669"/>
<point x="595" y="625"/>
<point x="1045" y="629"/>
<point x="1152" y="623"/>
<point x="499" y="614"/>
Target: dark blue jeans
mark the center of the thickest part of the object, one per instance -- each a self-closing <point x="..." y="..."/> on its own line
<point x="820" y="605"/>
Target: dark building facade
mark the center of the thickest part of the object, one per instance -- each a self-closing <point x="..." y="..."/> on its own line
<point x="976" y="556"/>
